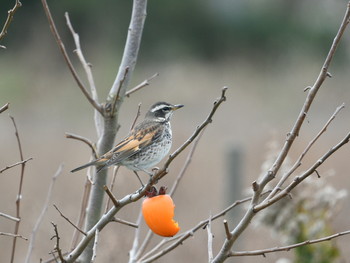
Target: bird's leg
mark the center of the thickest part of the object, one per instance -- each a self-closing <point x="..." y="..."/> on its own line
<point x="139" y="178"/>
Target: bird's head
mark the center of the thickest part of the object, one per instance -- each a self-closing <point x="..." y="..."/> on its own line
<point x="162" y="111"/>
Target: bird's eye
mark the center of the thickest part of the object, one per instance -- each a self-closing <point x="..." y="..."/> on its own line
<point x="166" y="109"/>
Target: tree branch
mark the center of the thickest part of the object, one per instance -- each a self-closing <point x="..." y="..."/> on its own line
<point x="19" y="195"/>
<point x="42" y="214"/>
<point x="15" y="164"/>
<point x="70" y="222"/>
<point x="57" y="247"/>
<point x="5" y="107"/>
<point x="13" y="235"/>
<point x="271" y="173"/>
<point x="141" y="85"/>
<point x="9" y="18"/>
<point x="262" y="252"/>
<point x="84" y="140"/>
<point x="10" y="217"/>
<point x="298" y="179"/>
<point x="297" y="164"/>
<point x="69" y="63"/>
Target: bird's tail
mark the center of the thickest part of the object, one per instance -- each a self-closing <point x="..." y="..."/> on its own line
<point x="95" y="162"/>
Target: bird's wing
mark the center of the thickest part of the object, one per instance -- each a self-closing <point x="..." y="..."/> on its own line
<point x="138" y="138"/>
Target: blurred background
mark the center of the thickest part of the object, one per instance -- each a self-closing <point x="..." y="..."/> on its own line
<point x="265" y="51"/>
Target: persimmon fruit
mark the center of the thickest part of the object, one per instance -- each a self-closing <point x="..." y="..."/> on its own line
<point x="158" y="213"/>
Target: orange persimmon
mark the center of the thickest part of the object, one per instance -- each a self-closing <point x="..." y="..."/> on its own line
<point x="158" y="212"/>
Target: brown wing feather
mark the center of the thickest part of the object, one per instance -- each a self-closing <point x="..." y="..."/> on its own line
<point x="138" y="138"/>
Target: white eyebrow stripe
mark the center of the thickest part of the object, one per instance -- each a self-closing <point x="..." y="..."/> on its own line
<point x="159" y="107"/>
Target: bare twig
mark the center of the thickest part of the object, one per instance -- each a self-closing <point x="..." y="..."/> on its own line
<point x="111" y="195"/>
<point x="57" y="247"/>
<point x="15" y="164"/>
<point x="162" y="172"/>
<point x="42" y="214"/>
<point x="114" y="177"/>
<point x="298" y="179"/>
<point x="271" y="173"/>
<point x="124" y="222"/>
<point x="227" y="229"/>
<point x="141" y="85"/>
<point x="9" y="18"/>
<point x="121" y="83"/>
<point x="186" y="165"/>
<point x="133" y="253"/>
<point x="13" y="235"/>
<point x="210" y="241"/>
<point x="138" y="113"/>
<point x="94" y="248"/>
<point x="87" y="68"/>
<point x="82" y="213"/>
<point x="5" y="107"/>
<point x="10" y="217"/>
<point x="84" y="63"/>
<point x="70" y="222"/>
<point x="297" y="164"/>
<point x="85" y="140"/>
<point x="62" y="48"/>
<point x="262" y="252"/>
<point x="19" y="195"/>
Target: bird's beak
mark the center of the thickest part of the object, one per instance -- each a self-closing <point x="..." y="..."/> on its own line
<point x="178" y="106"/>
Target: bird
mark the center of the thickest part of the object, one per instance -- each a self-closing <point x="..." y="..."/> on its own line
<point x="145" y="146"/>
